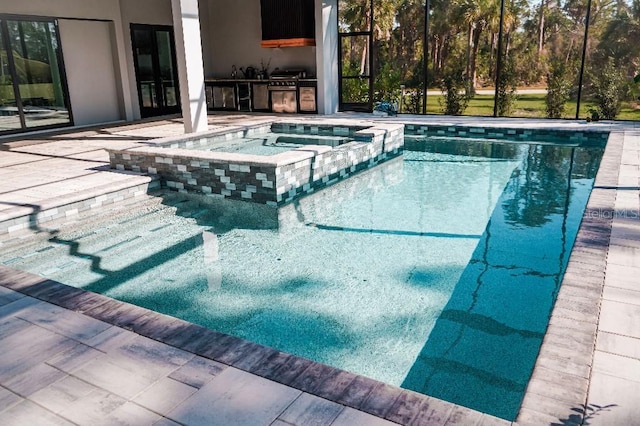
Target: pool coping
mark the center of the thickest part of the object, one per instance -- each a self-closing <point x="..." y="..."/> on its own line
<point x="558" y="388"/>
<point x="552" y="394"/>
<point x="351" y="390"/>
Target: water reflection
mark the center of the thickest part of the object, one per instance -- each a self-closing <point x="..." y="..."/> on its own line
<point x="483" y="347"/>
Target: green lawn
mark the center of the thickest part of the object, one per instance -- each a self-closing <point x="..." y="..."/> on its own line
<point x="526" y="106"/>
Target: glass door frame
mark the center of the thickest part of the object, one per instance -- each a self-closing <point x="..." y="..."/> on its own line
<point x="159" y="110"/>
<point x="11" y="65"/>
<point x="356" y="106"/>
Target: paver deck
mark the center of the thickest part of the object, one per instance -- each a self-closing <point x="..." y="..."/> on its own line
<point x="72" y="357"/>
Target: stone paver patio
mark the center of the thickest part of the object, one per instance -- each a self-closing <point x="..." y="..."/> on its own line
<point x="72" y="357"/>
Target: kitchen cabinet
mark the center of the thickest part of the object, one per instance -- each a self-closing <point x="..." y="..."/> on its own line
<point x="237" y="95"/>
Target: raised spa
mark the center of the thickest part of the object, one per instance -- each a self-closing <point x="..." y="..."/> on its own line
<point x="270" y="163"/>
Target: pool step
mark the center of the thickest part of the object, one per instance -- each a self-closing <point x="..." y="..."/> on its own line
<point x="27" y="219"/>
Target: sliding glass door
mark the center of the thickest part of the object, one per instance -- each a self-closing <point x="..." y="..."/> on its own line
<point x="33" y="91"/>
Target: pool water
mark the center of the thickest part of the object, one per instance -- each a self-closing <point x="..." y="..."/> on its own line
<point x="271" y="143"/>
<point x="436" y="272"/>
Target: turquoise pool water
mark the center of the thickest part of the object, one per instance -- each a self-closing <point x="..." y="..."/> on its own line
<point x="436" y="272"/>
<point x="271" y="143"/>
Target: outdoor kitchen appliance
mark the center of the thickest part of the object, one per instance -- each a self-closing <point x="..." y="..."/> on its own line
<point x="283" y="88"/>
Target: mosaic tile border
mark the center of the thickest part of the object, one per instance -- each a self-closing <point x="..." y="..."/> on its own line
<point x="594" y="137"/>
<point x="274" y="180"/>
<point x="22" y="218"/>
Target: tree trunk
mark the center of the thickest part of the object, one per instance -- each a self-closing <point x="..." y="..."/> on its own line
<point x="541" y="28"/>
<point x="474" y="60"/>
<point x="470" y="59"/>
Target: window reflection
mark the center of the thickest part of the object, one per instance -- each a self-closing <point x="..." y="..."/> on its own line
<point x="9" y="115"/>
<point x="30" y="56"/>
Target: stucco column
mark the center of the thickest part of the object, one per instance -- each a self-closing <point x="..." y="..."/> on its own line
<point x="327" y="55"/>
<point x="186" y="23"/>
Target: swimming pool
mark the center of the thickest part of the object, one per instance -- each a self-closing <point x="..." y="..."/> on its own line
<point x="437" y="272"/>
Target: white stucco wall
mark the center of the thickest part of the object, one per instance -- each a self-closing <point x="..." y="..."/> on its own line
<point x="105" y="10"/>
<point x="90" y="71"/>
<point x="235" y="33"/>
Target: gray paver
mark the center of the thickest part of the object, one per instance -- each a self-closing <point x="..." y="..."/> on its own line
<point x="351" y="417"/>
<point x="28" y="413"/>
<point x="59" y="395"/>
<point x="63" y="321"/>
<point x="130" y="414"/>
<point x="102" y="372"/>
<point x="225" y="400"/>
<point x="8" y="398"/>
<point x="617" y="344"/>
<point x="164" y="395"/>
<point x="620" y="318"/>
<point x="622" y="295"/>
<point x="74" y="358"/>
<point x="17" y="306"/>
<point x="93" y="408"/>
<point x="33" y="380"/>
<point x="147" y="357"/>
<point x="616" y="365"/>
<point x="311" y="410"/>
<point x="197" y="372"/>
<point x="613" y="401"/>
<point x="165" y="422"/>
<point x="8" y="296"/>
<point x="28" y="348"/>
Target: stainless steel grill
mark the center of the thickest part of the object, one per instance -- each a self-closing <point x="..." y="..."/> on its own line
<point x="283" y="87"/>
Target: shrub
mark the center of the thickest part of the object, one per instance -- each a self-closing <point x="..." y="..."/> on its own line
<point x="558" y="88"/>
<point x="507" y="85"/>
<point x="453" y="85"/>
<point x="608" y="87"/>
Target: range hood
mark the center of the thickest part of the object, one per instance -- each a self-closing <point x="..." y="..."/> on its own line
<point x="287" y="23"/>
